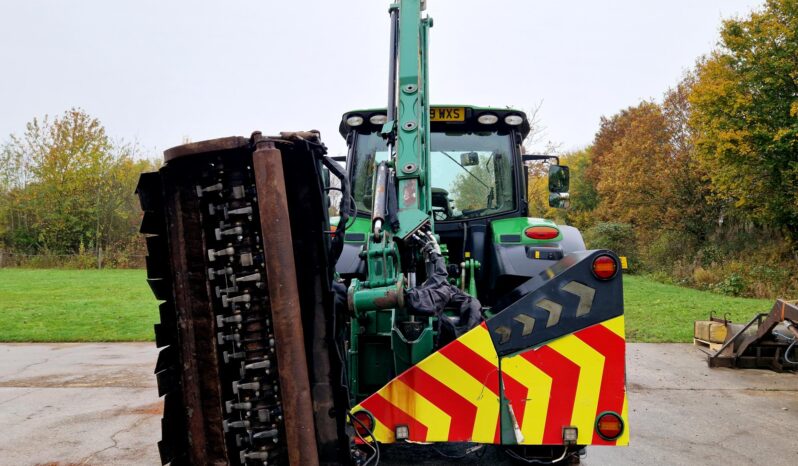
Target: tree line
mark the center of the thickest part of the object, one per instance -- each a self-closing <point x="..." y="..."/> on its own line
<point x="67" y="195"/>
<point x="701" y="186"/>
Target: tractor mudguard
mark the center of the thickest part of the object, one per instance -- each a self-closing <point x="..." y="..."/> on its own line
<point x="552" y="357"/>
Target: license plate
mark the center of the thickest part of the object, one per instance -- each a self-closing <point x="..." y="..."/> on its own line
<point x="447" y="114"/>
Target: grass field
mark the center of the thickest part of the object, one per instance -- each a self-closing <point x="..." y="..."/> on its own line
<point x="656" y="312"/>
<point x="117" y="305"/>
<point x="76" y="305"/>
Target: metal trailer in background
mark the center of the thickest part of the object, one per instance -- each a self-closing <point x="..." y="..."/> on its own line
<point x="768" y="341"/>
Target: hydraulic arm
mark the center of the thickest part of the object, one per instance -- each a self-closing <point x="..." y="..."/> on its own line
<point x="402" y="194"/>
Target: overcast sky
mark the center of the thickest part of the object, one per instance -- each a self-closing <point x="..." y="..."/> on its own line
<point x="157" y="71"/>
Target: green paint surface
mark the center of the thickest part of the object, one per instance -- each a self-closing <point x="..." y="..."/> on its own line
<point x="358" y="225"/>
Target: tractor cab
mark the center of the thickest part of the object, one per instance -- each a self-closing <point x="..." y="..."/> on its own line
<point x="476" y="170"/>
<point x="478" y="196"/>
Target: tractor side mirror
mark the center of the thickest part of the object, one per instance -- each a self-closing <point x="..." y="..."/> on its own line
<point x="559" y="200"/>
<point x="559" y="182"/>
<point x="559" y="179"/>
<point x="469" y="159"/>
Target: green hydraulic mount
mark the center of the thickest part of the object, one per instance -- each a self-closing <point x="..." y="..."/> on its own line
<point x="469" y="267"/>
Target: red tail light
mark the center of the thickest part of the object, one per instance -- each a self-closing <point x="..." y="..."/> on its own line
<point x="609" y="426"/>
<point x="543" y="233"/>
<point x="604" y="267"/>
<point x="366" y="422"/>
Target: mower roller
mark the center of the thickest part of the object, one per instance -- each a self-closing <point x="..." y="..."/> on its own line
<point x="430" y="309"/>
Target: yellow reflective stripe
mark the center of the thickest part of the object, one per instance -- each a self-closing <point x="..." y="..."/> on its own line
<point x="422" y="410"/>
<point x="537" y="399"/>
<point x="382" y="433"/>
<point x="473" y="390"/>
<point x="591" y="364"/>
<point x="624" y="438"/>
<point x="616" y="326"/>
<point x="478" y="340"/>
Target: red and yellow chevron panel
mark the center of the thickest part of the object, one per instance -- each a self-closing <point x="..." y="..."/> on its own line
<point x="456" y="394"/>
<point x="451" y="396"/>
<point x="569" y="382"/>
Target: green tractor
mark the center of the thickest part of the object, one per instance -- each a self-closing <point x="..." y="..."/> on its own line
<point x="432" y="310"/>
<point x="475" y="183"/>
<point x="477" y="194"/>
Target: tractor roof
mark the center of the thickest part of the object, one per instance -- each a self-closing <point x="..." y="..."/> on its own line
<point x="466" y="121"/>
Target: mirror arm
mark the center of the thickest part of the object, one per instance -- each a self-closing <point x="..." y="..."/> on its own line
<point x="532" y="157"/>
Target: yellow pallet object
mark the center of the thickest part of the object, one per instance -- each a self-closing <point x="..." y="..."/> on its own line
<point x="710" y="331"/>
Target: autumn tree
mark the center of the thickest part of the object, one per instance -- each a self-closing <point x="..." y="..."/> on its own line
<point x="632" y="169"/>
<point x="538" y="196"/>
<point x="67" y="187"/>
<point x="689" y="181"/>
<point x="706" y="178"/>
<point x="745" y="117"/>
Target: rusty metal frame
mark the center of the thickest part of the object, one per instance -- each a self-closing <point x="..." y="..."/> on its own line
<point x="731" y="355"/>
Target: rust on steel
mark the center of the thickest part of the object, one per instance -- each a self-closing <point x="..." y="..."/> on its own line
<point x="782" y="310"/>
<point x="194" y="319"/>
<point x="286" y="315"/>
<point x="201" y="147"/>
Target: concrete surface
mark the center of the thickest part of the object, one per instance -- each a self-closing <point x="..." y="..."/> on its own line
<point x="78" y="404"/>
<point x="97" y="404"/>
<point x="684" y="413"/>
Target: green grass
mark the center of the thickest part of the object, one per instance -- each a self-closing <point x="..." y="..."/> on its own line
<point x="76" y="305"/>
<point x="656" y="312"/>
<point x="117" y="305"/>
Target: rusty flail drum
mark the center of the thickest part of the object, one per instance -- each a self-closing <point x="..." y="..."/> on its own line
<point x="230" y="261"/>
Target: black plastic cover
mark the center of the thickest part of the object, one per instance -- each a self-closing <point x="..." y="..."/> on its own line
<point x="562" y="299"/>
